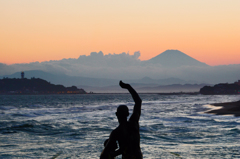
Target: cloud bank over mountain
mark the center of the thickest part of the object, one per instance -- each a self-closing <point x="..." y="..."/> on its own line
<point x="169" y="64"/>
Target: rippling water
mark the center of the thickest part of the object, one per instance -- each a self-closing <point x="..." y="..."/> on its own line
<point x="75" y="126"/>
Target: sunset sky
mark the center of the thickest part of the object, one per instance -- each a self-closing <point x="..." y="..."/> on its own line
<point x="43" y="30"/>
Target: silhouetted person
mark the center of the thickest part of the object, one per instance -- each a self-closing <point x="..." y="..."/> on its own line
<point x="127" y="133"/>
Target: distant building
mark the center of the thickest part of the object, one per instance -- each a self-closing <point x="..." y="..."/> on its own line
<point x="22" y="75"/>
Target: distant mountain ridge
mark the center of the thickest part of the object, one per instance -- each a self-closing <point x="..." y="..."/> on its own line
<point x="94" y="82"/>
<point x="101" y="70"/>
<point x="63" y="79"/>
<point x="144" y="88"/>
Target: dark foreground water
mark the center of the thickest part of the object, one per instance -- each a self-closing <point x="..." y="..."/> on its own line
<point x="75" y="126"/>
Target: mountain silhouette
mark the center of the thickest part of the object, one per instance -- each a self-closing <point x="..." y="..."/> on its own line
<point x="174" y="58"/>
<point x="83" y="82"/>
<point x="169" y="67"/>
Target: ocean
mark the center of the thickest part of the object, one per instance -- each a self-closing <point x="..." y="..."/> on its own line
<point x="76" y="126"/>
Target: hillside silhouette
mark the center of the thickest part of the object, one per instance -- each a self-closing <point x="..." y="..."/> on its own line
<point x="221" y="89"/>
<point x="34" y="86"/>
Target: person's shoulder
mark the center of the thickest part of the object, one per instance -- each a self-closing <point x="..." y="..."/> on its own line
<point x="116" y="130"/>
<point x="115" y="133"/>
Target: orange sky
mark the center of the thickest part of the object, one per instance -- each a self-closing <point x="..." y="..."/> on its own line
<point x="208" y="31"/>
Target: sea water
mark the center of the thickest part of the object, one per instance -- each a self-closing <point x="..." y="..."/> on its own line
<point x="76" y="126"/>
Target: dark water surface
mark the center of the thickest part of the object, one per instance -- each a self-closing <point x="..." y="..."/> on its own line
<point x="75" y="126"/>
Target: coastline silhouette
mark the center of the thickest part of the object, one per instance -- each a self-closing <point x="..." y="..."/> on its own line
<point x="127" y="133"/>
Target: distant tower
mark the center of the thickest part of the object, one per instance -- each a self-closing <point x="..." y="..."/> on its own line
<point x="22" y="75"/>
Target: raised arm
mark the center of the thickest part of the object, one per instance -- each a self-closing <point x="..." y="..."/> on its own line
<point x="136" y="98"/>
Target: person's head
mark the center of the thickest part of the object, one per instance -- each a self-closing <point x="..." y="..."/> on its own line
<point x="122" y="113"/>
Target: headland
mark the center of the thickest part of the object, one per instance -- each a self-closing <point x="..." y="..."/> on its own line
<point x="35" y="86"/>
<point x="221" y="89"/>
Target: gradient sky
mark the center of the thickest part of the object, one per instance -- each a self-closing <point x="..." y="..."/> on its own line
<point x="42" y="30"/>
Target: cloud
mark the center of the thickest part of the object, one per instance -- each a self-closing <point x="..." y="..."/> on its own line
<point x="109" y="60"/>
<point x="7" y="69"/>
<point x="126" y="66"/>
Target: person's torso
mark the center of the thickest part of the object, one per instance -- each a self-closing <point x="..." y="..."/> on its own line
<point x="128" y="138"/>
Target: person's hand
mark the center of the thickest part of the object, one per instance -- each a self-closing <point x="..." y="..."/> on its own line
<point x="111" y="155"/>
<point x="124" y="85"/>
